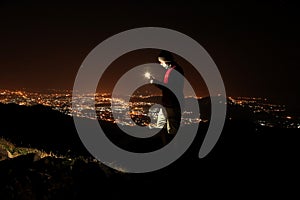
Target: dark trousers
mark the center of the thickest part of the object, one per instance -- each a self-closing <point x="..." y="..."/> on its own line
<point x="169" y="118"/>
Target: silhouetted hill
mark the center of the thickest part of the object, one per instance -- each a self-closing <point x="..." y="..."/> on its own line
<point x="247" y="160"/>
<point x="39" y="127"/>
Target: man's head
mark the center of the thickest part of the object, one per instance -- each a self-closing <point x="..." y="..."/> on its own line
<point x="165" y="58"/>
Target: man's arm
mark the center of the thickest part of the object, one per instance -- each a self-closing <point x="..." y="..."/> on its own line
<point x="157" y="83"/>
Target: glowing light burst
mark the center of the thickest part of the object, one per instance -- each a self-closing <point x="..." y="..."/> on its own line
<point x="147" y="75"/>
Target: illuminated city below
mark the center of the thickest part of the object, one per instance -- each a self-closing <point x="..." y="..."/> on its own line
<point x="141" y="111"/>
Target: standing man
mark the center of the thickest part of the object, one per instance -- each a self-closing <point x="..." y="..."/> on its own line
<point x="170" y="117"/>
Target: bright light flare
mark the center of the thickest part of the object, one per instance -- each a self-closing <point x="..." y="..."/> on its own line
<point x="148" y="75"/>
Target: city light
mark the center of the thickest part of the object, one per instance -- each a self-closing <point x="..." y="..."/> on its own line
<point x="265" y="113"/>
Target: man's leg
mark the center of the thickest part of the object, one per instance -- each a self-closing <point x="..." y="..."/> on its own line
<point x="161" y="119"/>
<point x="162" y="123"/>
<point x="173" y="121"/>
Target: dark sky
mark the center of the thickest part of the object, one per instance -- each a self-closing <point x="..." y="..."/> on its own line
<point x="255" y="45"/>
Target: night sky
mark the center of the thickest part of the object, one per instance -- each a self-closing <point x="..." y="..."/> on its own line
<point x="255" y="45"/>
